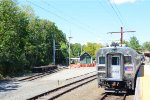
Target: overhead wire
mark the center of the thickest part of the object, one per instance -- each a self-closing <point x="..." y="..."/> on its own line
<point x="49" y="4"/>
<point x="121" y="16"/>
<point x="108" y="12"/>
<point x="48" y="11"/>
<point x="127" y="27"/>
<point x="116" y="13"/>
<point x="80" y="27"/>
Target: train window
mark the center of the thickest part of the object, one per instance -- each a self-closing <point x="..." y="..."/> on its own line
<point x="115" y="60"/>
<point x="127" y="60"/>
<point x="101" y="60"/>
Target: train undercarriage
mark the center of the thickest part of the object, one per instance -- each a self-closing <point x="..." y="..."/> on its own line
<point x="117" y="86"/>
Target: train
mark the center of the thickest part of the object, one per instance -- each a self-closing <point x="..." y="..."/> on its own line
<point x="117" y="68"/>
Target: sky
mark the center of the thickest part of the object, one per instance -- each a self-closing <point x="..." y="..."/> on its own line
<point x="91" y="20"/>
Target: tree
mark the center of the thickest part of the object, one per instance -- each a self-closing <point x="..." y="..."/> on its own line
<point x="39" y="45"/>
<point x="146" y="45"/>
<point x="92" y="48"/>
<point x="134" y="43"/>
<point x="13" y="25"/>
<point x="126" y="43"/>
<point x="26" y="40"/>
<point x="75" y="49"/>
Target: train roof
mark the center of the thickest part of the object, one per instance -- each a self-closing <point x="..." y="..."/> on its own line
<point x="116" y="47"/>
<point x="123" y="50"/>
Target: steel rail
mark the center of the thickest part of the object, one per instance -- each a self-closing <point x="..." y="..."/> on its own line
<point x="106" y="96"/>
<point x="55" y="93"/>
<point x="36" y="76"/>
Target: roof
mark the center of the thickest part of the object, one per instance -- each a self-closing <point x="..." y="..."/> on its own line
<point x="85" y="53"/>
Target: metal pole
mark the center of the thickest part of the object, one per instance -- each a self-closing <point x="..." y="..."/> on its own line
<point x="81" y="50"/>
<point x="69" y="50"/>
<point x="53" y="51"/>
<point x="121" y="40"/>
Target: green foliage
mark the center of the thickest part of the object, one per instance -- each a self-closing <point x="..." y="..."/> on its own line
<point x="40" y="41"/>
<point x="92" y="48"/>
<point x="75" y="50"/>
<point x="25" y="40"/>
<point x="134" y="43"/>
<point x="126" y="42"/>
<point x="12" y="32"/>
<point x="146" y="45"/>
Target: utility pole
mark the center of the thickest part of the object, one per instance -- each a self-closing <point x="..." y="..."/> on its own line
<point x="121" y="39"/>
<point x="69" y="49"/>
<point x="54" y="49"/>
<point x="81" y="50"/>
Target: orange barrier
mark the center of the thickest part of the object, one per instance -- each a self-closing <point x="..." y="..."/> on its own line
<point x="82" y="65"/>
<point x="74" y="65"/>
<point x="88" y="65"/>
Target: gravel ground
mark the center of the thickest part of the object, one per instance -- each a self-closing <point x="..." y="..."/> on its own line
<point x="87" y="92"/>
<point x="22" y="90"/>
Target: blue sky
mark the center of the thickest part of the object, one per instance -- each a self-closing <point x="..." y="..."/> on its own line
<point x="90" y="20"/>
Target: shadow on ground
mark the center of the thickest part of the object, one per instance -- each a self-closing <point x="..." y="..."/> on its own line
<point x="8" y="86"/>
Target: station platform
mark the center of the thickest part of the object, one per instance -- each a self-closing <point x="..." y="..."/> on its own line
<point x="142" y="91"/>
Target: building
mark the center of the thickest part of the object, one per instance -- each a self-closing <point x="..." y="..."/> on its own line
<point x="86" y="58"/>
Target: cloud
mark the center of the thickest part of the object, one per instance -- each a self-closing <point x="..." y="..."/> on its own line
<point x="122" y="1"/>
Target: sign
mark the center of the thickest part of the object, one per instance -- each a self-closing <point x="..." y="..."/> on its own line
<point x="115" y="71"/>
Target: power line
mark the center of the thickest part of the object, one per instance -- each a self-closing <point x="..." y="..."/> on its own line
<point x="48" y="11"/>
<point x="58" y="16"/>
<point x="120" y="14"/>
<point x="108" y="12"/>
<point x="116" y="13"/>
<point x="65" y="14"/>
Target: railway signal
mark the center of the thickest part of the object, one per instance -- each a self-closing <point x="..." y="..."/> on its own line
<point x="121" y="32"/>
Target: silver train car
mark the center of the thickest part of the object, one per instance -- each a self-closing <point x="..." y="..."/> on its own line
<point x="117" y="68"/>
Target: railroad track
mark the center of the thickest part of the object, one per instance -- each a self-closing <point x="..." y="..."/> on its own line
<point x="57" y="92"/>
<point x="36" y="76"/>
<point x="113" y="96"/>
<point x="40" y="75"/>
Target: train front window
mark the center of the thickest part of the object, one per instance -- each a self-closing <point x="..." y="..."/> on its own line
<point x="101" y="60"/>
<point x="127" y="60"/>
<point x="115" y="60"/>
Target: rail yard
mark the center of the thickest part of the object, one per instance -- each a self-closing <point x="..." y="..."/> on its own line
<point x="74" y="83"/>
<point x="72" y="50"/>
<point x="67" y="84"/>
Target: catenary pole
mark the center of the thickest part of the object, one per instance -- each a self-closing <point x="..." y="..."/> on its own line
<point x="69" y="49"/>
<point x="121" y="32"/>
<point x="54" y="49"/>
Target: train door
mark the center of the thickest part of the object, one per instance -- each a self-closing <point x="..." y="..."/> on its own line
<point x="114" y="66"/>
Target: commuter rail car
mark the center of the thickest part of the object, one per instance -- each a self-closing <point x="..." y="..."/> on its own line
<point x="117" y="68"/>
